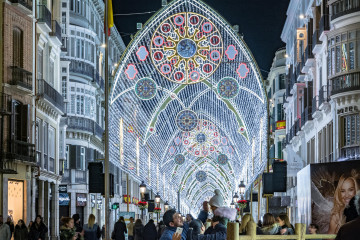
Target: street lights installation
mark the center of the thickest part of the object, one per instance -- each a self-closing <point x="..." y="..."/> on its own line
<point x="142" y="192"/>
<point x="157" y="201"/>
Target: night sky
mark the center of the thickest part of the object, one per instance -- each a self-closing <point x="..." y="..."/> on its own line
<point x="260" y="22"/>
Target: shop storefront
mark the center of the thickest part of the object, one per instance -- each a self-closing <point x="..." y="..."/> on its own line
<point x="16" y="200"/>
<point x="81" y="200"/>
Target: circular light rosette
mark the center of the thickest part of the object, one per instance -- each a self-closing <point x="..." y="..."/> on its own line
<point x="186" y="120"/>
<point x="228" y="88"/>
<point x="186" y="43"/>
<point x="222" y="159"/>
<point x="145" y="88"/>
<point x="179" y="159"/>
<point x="201" y="176"/>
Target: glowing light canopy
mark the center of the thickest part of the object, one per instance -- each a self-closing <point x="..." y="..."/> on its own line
<point x="190" y="95"/>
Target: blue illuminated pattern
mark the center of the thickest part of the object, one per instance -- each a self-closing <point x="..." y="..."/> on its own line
<point x="186" y="120"/>
<point x="186" y="48"/>
<point x="222" y="159"/>
<point x="201" y="138"/>
<point x="179" y="159"/>
<point x="201" y="176"/>
<point x="228" y="88"/>
<point x="145" y="88"/>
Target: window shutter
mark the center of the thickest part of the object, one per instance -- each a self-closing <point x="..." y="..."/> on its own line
<point x="72" y="156"/>
<point x="25" y="120"/>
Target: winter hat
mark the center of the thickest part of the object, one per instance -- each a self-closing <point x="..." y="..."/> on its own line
<point x="226" y="212"/>
<point x="216" y="200"/>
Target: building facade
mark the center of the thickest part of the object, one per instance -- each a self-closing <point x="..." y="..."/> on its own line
<point x="17" y="157"/>
<point x="322" y="86"/>
<point x="82" y="86"/>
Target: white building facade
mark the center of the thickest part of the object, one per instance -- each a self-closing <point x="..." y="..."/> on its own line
<point x="322" y="90"/>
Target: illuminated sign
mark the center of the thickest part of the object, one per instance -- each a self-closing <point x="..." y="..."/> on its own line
<point x="280" y="125"/>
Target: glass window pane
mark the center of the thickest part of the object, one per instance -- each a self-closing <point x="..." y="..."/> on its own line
<point x="351" y="55"/>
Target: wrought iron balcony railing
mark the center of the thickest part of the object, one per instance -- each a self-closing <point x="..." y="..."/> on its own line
<point x="82" y="68"/>
<point x="344" y="7"/>
<point x="22" y="151"/>
<point x="55" y="30"/>
<point x="49" y="93"/>
<point x="84" y="124"/>
<point x="25" y="3"/>
<point x="20" y="77"/>
<point x="314" y="105"/>
<point x="74" y="176"/>
<point x="44" y="15"/>
<point x="345" y="83"/>
<point x="323" y="94"/>
<point x="324" y="24"/>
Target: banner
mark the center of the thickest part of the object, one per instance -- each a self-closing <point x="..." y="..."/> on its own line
<point x="324" y="191"/>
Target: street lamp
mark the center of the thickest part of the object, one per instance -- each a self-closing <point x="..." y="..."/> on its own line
<point x="166" y="206"/>
<point x="157" y="198"/>
<point x="232" y="205"/>
<point x="235" y="198"/>
<point x="142" y="188"/>
<point x="242" y="188"/>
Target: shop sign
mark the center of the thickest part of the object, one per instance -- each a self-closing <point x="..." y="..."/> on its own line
<point x="280" y="125"/>
<point x="64" y="199"/>
<point x="81" y="199"/>
<point x="62" y="188"/>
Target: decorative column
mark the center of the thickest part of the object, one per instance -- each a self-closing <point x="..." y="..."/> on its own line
<point x="54" y="212"/>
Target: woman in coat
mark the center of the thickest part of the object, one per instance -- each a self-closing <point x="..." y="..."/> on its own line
<point x="138" y="230"/>
<point x="119" y="229"/>
<point x="67" y="230"/>
<point x="21" y="231"/>
<point x="38" y="229"/>
<point x="269" y="225"/>
<point x="91" y="231"/>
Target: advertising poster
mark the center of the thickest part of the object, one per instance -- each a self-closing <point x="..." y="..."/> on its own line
<point x="127" y="215"/>
<point x="333" y="185"/>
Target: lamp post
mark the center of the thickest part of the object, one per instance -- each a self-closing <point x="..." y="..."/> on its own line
<point x="142" y="191"/>
<point x="242" y="188"/>
<point x="166" y="206"/>
<point x="157" y="201"/>
<point x="232" y="205"/>
<point x="235" y="198"/>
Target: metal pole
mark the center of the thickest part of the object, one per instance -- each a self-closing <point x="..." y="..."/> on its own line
<point x="107" y="220"/>
<point x="127" y="192"/>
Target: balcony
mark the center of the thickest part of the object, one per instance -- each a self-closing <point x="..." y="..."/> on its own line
<point x="324" y="24"/>
<point x="82" y="68"/>
<point x="44" y="90"/>
<point x="22" y="151"/>
<point x="350" y="153"/>
<point x="314" y="106"/>
<point x="306" y="115"/>
<point x="99" y="80"/>
<point x="316" y="43"/>
<point x="323" y="95"/>
<point x="55" y="30"/>
<point x="25" y="3"/>
<point x="74" y="176"/>
<point x="300" y="76"/>
<point x="20" y="77"/>
<point x="345" y="83"/>
<point x="44" y="18"/>
<point x="86" y="125"/>
<point x="344" y="7"/>
<point x="308" y="56"/>
<point x="5" y="104"/>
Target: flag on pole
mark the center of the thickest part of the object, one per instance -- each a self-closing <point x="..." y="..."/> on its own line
<point x="110" y="17"/>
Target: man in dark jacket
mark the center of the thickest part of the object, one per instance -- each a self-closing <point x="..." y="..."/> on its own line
<point x="119" y="229"/>
<point x="351" y="230"/>
<point x="173" y="220"/>
<point x="204" y="213"/>
<point x="150" y="231"/>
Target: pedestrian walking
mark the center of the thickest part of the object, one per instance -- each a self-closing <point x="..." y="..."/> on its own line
<point x="4" y="230"/>
<point x="161" y="229"/>
<point x="138" y="230"/>
<point x="67" y="230"/>
<point x="150" y="232"/>
<point x="10" y="223"/>
<point x="91" y="231"/>
<point x="21" y="231"/>
<point x="77" y="223"/>
<point x="130" y="229"/>
<point x="119" y="230"/>
<point x="38" y="229"/>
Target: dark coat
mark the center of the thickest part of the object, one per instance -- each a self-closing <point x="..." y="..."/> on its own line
<point x="203" y="215"/>
<point x="11" y="225"/>
<point x="119" y="231"/>
<point x="78" y="227"/>
<point x="169" y="232"/>
<point x="138" y="232"/>
<point x="349" y="231"/>
<point x="150" y="232"/>
<point x="93" y="233"/>
<point x="21" y="233"/>
<point x="161" y="230"/>
<point x="38" y="231"/>
<point x="217" y="233"/>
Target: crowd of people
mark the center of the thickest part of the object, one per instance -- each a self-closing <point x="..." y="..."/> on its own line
<point x="213" y="215"/>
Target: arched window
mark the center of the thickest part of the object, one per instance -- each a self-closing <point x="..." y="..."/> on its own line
<point x="17" y="47"/>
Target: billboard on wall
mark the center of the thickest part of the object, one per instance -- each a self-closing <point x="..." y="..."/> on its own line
<point x="324" y="190"/>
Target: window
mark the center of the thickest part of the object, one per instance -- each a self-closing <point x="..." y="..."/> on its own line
<point x="77" y="104"/>
<point x="45" y="143"/>
<point x="281" y="81"/>
<point x="39" y="65"/>
<point x="63" y="22"/>
<point x="82" y="158"/>
<point x="73" y="104"/>
<point x="280" y="112"/>
<point x="51" y="73"/>
<point x="64" y="87"/>
<point x="17" y="47"/>
<point x="352" y="130"/>
<point x="82" y="105"/>
<point x="78" y="48"/>
<point x="67" y="157"/>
